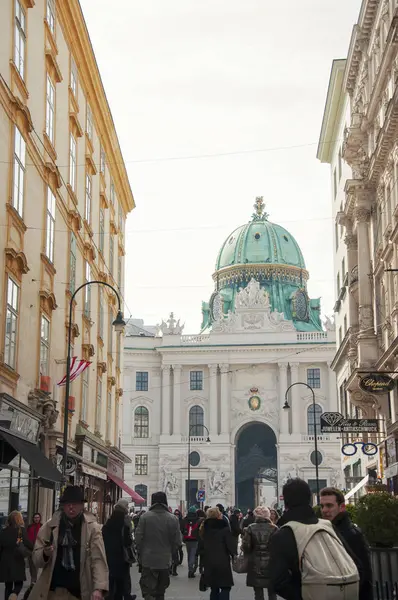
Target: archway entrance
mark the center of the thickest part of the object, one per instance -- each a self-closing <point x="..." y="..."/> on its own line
<point x="256" y="465"/>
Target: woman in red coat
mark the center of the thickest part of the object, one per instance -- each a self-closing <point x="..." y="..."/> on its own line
<point x="32" y="531"/>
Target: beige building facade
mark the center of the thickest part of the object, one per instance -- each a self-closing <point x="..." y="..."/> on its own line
<point x="65" y="198"/>
<point x="358" y="139"/>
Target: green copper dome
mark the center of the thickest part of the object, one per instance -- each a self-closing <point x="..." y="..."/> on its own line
<point x="259" y="242"/>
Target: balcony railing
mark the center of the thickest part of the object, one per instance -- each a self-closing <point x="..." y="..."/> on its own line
<point x="311" y="438"/>
<point x="194" y="339"/>
<point x="312" y="336"/>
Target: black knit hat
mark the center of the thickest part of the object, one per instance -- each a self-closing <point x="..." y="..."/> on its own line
<point x="159" y="498"/>
<point x="72" y="494"/>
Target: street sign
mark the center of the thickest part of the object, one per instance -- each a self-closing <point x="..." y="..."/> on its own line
<point x="201" y="496"/>
<point x="376" y="383"/>
<point x="334" y="422"/>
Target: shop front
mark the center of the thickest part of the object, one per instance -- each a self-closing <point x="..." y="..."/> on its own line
<point x="391" y="464"/>
<point x="24" y="468"/>
<point x="116" y="481"/>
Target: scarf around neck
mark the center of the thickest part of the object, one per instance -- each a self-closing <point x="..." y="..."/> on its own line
<point x="68" y="542"/>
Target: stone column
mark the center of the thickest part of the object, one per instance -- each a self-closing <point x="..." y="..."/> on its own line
<point x="213" y="401"/>
<point x="295" y="393"/>
<point x="333" y="403"/>
<point x="225" y="403"/>
<point x="166" y="393"/>
<point x="284" y="414"/>
<point x="177" y="400"/>
<point x="367" y="348"/>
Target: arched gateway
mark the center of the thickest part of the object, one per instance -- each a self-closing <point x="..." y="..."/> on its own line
<point x="256" y="464"/>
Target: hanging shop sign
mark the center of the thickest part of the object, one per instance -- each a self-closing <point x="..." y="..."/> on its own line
<point x="376" y="383"/>
<point x="334" y="422"/>
<point x="351" y="449"/>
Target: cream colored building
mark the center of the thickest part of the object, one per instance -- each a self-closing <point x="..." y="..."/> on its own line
<point x="65" y="197"/>
<point x="359" y="132"/>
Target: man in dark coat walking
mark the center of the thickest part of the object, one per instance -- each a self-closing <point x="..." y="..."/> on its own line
<point x="157" y="537"/>
<point x="12" y="563"/>
<point x="334" y="510"/>
<point x="235" y="525"/>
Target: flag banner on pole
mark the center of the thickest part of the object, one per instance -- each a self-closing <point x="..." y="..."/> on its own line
<point x="77" y="366"/>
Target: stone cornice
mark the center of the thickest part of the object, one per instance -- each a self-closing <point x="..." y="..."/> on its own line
<point x="332" y="112"/>
<point x="385" y="141"/>
<point x="359" y="42"/>
<point x="74" y="28"/>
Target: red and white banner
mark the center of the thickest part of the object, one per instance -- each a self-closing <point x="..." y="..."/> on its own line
<point x="77" y="366"/>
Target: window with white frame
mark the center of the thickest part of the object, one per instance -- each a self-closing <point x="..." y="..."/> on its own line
<point x="112" y="193"/>
<point x="19" y="171"/>
<point x="101" y="230"/>
<point x="50" y="15"/>
<point x="20" y="38"/>
<point x="314" y="418"/>
<point x="110" y="333"/>
<point x="72" y="162"/>
<point x="44" y="345"/>
<point x="72" y="263"/>
<point x="98" y="412"/>
<point x="101" y="315"/>
<point x="50" y="110"/>
<point x="314" y="378"/>
<point x="50" y="225"/>
<point x="119" y="272"/>
<point x="73" y="76"/>
<point x="102" y="161"/>
<point x="141" y="422"/>
<point x="87" y="290"/>
<point x="85" y="395"/>
<point x="196" y="420"/>
<point x="11" y="328"/>
<point x="109" y="416"/>
<point x="196" y="380"/>
<point x="120" y="220"/>
<point x="111" y="253"/>
<point x="141" y="464"/>
<point x="141" y="381"/>
<point x="89" y="122"/>
<point x="87" y="207"/>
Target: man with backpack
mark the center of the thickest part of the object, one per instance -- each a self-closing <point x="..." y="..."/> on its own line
<point x="190" y="531"/>
<point x="308" y="560"/>
<point x="334" y="510"/>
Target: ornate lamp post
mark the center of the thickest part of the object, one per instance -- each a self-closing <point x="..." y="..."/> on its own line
<point x="118" y="324"/>
<point x="189" y="458"/>
<point x="287" y="407"/>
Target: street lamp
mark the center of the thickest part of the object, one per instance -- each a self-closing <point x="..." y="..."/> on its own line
<point x="118" y="324"/>
<point x="287" y="407"/>
<point x="189" y="457"/>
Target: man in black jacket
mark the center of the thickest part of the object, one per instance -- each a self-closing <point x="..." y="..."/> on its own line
<point x="284" y="561"/>
<point x="334" y="510"/>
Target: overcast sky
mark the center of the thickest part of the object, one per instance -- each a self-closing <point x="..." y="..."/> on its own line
<point x="187" y="78"/>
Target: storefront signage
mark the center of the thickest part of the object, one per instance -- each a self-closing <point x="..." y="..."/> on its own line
<point x="93" y="472"/>
<point x="115" y="469"/>
<point x="351" y="449"/>
<point x="71" y="465"/>
<point x="334" y="422"/>
<point x="376" y="383"/>
<point x="18" y="422"/>
<point x="391" y="450"/>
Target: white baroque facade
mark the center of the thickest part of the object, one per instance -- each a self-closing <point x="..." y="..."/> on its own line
<point x="228" y="384"/>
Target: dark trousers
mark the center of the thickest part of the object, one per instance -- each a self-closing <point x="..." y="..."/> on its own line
<point x="12" y="587"/>
<point x="154" y="583"/>
<point x="192" y="546"/>
<point x="220" y="593"/>
<point x="259" y="594"/>
<point x="120" y="587"/>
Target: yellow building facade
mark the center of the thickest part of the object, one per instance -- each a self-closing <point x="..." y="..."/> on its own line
<point x="64" y="199"/>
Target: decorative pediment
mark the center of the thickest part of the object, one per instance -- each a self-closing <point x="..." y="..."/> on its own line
<point x="75" y="331"/>
<point x="112" y="227"/>
<point x="53" y="175"/>
<point x="92" y="169"/>
<point x="52" y="65"/>
<point x="75" y="220"/>
<point x="90" y="251"/>
<point x="75" y="125"/>
<point x="102" y="276"/>
<point x="21" y="115"/>
<point x="47" y="301"/>
<point x="88" y="351"/>
<point x="101" y="368"/>
<point x="104" y="199"/>
<point x="16" y="262"/>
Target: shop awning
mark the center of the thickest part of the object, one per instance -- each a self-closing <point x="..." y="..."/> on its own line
<point x="42" y="466"/>
<point x="120" y="483"/>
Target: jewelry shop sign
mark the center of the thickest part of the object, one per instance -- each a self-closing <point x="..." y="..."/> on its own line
<point x="334" y="422"/>
<point x="376" y="383"/>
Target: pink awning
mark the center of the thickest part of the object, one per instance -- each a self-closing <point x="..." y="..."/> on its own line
<point x="120" y="483"/>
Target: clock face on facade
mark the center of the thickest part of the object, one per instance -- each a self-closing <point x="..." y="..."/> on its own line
<point x="216" y="306"/>
<point x="301" y="305"/>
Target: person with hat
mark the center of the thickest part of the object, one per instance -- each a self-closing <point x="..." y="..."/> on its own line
<point x="157" y="538"/>
<point x="70" y="551"/>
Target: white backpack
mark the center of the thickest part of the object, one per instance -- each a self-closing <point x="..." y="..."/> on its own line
<point x="327" y="570"/>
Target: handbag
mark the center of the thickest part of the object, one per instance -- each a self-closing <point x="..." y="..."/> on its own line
<point x="21" y="548"/>
<point x="240" y="563"/>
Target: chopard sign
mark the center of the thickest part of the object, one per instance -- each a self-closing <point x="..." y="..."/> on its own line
<point x="375" y="383"/>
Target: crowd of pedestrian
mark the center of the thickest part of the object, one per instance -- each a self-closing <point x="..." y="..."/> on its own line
<point x="294" y="555"/>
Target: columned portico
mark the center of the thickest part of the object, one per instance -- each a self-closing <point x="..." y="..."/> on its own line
<point x="166" y="393"/>
<point x="213" y="400"/>
<point x="284" y="415"/>
<point x="225" y="403"/>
